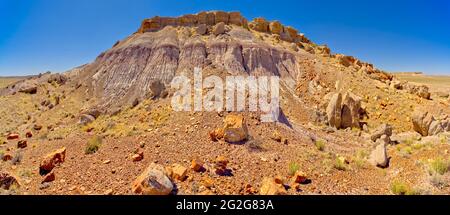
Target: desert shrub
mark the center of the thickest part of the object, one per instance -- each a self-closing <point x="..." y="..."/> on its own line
<point x="360" y="158"/>
<point x="320" y="145"/>
<point x="293" y="168"/>
<point x="400" y="188"/>
<point x="439" y="166"/>
<point x="340" y="164"/>
<point x="93" y="145"/>
<point x="437" y="180"/>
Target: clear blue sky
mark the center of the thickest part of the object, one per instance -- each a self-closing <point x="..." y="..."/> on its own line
<point x="56" y="35"/>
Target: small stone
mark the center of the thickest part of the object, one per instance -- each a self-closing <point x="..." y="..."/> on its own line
<point x="138" y="157"/>
<point x="197" y="165"/>
<point x="7" y="157"/>
<point x="12" y="136"/>
<point x="179" y="172"/>
<point x="29" y="134"/>
<point x="109" y="192"/>
<point x="271" y="187"/>
<point x="107" y="162"/>
<point x="22" y="144"/>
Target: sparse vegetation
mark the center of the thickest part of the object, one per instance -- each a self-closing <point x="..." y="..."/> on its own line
<point x="400" y="188"/>
<point x="360" y="158"/>
<point x="340" y="164"/>
<point x="93" y="145"/>
<point x="293" y="168"/>
<point x="439" y="166"/>
<point x="320" y="145"/>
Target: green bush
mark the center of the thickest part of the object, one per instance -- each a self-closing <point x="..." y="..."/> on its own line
<point x="400" y="188"/>
<point x="320" y="145"/>
<point x="93" y="145"/>
<point x="340" y="164"/>
<point x="293" y="167"/>
<point x="440" y="166"/>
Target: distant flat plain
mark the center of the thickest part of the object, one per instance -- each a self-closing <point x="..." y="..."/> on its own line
<point x="435" y="82"/>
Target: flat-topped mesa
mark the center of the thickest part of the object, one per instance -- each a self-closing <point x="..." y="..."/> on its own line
<point x="208" y="18"/>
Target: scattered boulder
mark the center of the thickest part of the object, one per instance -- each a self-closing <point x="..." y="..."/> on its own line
<point x="137" y="157"/>
<point x="7" y="157"/>
<point x="201" y="29"/>
<point x="271" y="186"/>
<point x="419" y="90"/>
<point x="27" y="87"/>
<point x="37" y="127"/>
<point x="219" y="28"/>
<point x="153" y="181"/>
<point x="220" y="165"/>
<point x="22" y="144"/>
<point x="178" y="172"/>
<point x="51" y="160"/>
<point x="436" y="127"/>
<point x="197" y="165"/>
<point x="29" y="134"/>
<point x="216" y="134"/>
<point x="7" y="181"/>
<point x="275" y="27"/>
<point x="379" y="156"/>
<point x="383" y="129"/>
<point x="86" y="119"/>
<point x="12" y="136"/>
<point x="259" y="24"/>
<point x="334" y="110"/>
<point x="351" y="105"/>
<point x="421" y="122"/>
<point x="235" y="128"/>
<point x="156" y="89"/>
<point x="300" y="177"/>
<point x="57" y="78"/>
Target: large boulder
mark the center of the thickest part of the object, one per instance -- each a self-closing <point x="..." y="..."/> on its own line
<point x="153" y="181"/>
<point x="7" y="181"/>
<point x="27" y="87"/>
<point x="86" y="119"/>
<point x="379" y="156"/>
<point x="201" y="29"/>
<point x="334" y="109"/>
<point x="275" y="27"/>
<point x="351" y="105"/>
<point x="384" y="129"/>
<point x="57" y="78"/>
<point x="421" y="122"/>
<point x="51" y="160"/>
<point x="219" y="28"/>
<point x="419" y="90"/>
<point x="235" y="128"/>
<point x="436" y="127"/>
<point x="259" y="24"/>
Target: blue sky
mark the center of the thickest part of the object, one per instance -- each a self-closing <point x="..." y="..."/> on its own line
<point x="56" y="35"/>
